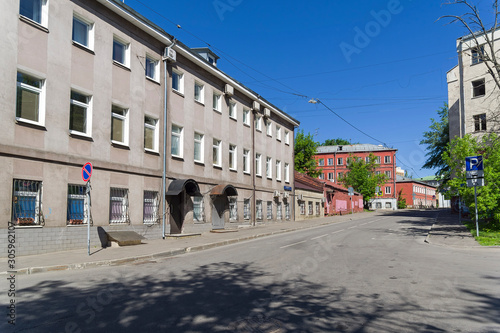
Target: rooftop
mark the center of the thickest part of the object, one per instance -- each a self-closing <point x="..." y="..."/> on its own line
<point x="365" y="147"/>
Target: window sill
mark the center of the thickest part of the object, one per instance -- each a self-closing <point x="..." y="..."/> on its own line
<point x="151" y="152"/>
<point x="199" y="163"/>
<point x="218" y="111"/>
<point x="122" y="66"/>
<point x="119" y="145"/>
<point x="31" y="124"/>
<point x="258" y="176"/>
<point x="246" y="173"/>
<point x="83" y="47"/>
<point x="150" y="79"/>
<point x="29" y="226"/>
<point x="199" y="102"/>
<point x="269" y="135"/>
<point x="82" y="136"/>
<point x="77" y="225"/>
<point x="218" y="167"/>
<point x="247" y="125"/>
<point x="233" y="118"/>
<point x="33" y="23"/>
<point x="476" y="97"/>
<point x="177" y="158"/>
<point x="178" y="92"/>
<point x="233" y="170"/>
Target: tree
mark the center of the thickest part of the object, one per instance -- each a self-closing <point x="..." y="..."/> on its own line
<point x="305" y="149"/>
<point x="362" y="177"/>
<point x="401" y="200"/>
<point x="437" y="139"/>
<point x="336" y="142"/>
<point x="488" y="197"/>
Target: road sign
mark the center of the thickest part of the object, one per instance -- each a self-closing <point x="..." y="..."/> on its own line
<point x="350" y="190"/>
<point x="472" y="182"/>
<point x="474" y="163"/>
<point x="87" y="171"/>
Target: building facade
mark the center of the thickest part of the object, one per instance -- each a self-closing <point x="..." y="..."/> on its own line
<point x="333" y="161"/>
<point x="94" y="81"/>
<point x="473" y="95"/>
<point x="339" y="202"/>
<point x="309" y="195"/>
<point x="417" y="194"/>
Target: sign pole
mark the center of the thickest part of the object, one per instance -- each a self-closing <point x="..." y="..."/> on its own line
<point x="475" y="202"/>
<point x="87" y="212"/>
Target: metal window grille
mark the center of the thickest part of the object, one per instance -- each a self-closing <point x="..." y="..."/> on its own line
<point x="27" y="202"/>
<point x="317" y="208"/>
<point x="151" y="206"/>
<point x="279" y="213"/>
<point x="118" y="206"/>
<point x="77" y="200"/>
<point x="258" y="213"/>
<point x="233" y="209"/>
<point x="287" y="211"/>
<point x="269" y="210"/>
<point x="302" y="207"/>
<point x="246" y="209"/>
<point x="310" y="206"/>
<point x="198" y="209"/>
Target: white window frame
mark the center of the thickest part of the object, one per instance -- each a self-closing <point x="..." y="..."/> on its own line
<point x="341" y="160"/>
<point x="258" y="210"/>
<point x="119" y="195"/>
<point x="125" y="123"/>
<point x="258" y="123"/>
<point x="246" y="161"/>
<point x="201" y="97"/>
<point x="279" y="211"/>
<point x="287" y="137"/>
<point x="24" y="190"/>
<point x="40" y="91"/>
<point x="258" y="164"/>
<point x="156" y="135"/>
<point x="89" y="43"/>
<point x="278" y="133"/>
<point x="269" y="128"/>
<point x="387" y="190"/>
<point x="330" y="161"/>
<point x="233" y="157"/>
<point x="155" y="65"/>
<point x="287" y="173"/>
<point x="200" y="142"/>
<point x="88" y="113"/>
<point x="269" y="167"/>
<point x="217" y="102"/>
<point x="179" y="77"/>
<point x="126" y="51"/>
<point x="278" y="170"/>
<point x="480" y="82"/>
<point x="246" y="209"/>
<point x="321" y="162"/>
<point x="180" y="135"/>
<point x="246" y="117"/>
<point x="217" y="152"/>
<point x="44" y="13"/>
<point x="388" y="173"/>
<point x="302" y="206"/>
<point x="387" y="159"/>
<point x="233" y="110"/>
<point x="330" y="176"/>
<point x="310" y="208"/>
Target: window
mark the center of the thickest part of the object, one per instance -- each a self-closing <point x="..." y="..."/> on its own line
<point x="198" y="209"/>
<point x="258" y="164"/>
<point x="480" y="122"/>
<point x="80" y="114"/>
<point x="258" y="125"/>
<point x="340" y="161"/>
<point x="367" y="159"/>
<point x="330" y="176"/>
<point x="388" y="174"/>
<point x="321" y="176"/>
<point x="340" y="175"/>
<point x="199" y="95"/>
<point x="269" y="170"/>
<point x="302" y="205"/>
<point x="278" y="133"/>
<point x="178" y="81"/>
<point x="30" y="104"/>
<point x="198" y="148"/>
<point x="287" y="137"/>
<point x="377" y="172"/>
<point x="388" y="205"/>
<point x="377" y="159"/>
<point x="477" y="54"/>
<point x="233" y="209"/>
<point x="83" y="32"/>
<point x="177" y="144"/>
<point x="317" y="209"/>
<point x="321" y="162"/>
<point x="287" y="211"/>
<point x="246" y="209"/>
<point x="279" y="211"/>
<point x="269" y="210"/>
<point x="121" y="52"/>
<point x="35" y="10"/>
<point x="387" y="159"/>
<point x="150" y="134"/>
<point x="233" y="157"/>
<point x="118" y="205"/>
<point x="216" y="152"/>
<point x="478" y="88"/>
<point x="76" y="205"/>
<point x="217" y="102"/>
<point x="330" y="161"/>
<point x="150" y="207"/>
<point x="387" y="190"/>
<point x="232" y="110"/>
<point x="258" y="208"/>
<point x="152" y="68"/>
<point x="269" y="128"/>
<point x="27" y="202"/>
<point x="310" y="207"/>
<point x="119" y="125"/>
<point x="246" y="117"/>
<point x="246" y="161"/>
<point x="278" y="170"/>
<point x="287" y="172"/>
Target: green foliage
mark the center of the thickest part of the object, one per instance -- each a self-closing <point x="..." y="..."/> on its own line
<point x="401" y="200"/>
<point x="336" y="142"/>
<point x="362" y="177"/>
<point x="489" y="234"/>
<point x="488" y="198"/>
<point x="305" y="149"/>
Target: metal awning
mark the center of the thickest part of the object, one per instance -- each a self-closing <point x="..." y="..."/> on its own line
<point x="221" y="189"/>
<point x="190" y="186"/>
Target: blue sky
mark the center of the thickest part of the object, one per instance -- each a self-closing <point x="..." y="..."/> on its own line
<point x="381" y="65"/>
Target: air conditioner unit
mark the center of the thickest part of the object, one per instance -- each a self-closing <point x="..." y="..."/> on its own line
<point x="256" y="106"/>
<point x="170" y="55"/>
<point x="299" y="197"/>
<point x="267" y="113"/>
<point x="276" y="194"/>
<point x="285" y="195"/>
<point x="229" y="90"/>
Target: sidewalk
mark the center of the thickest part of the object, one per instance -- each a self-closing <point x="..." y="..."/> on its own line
<point x="445" y="231"/>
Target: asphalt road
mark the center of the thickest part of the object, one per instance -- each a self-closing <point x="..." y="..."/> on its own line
<point x="369" y="275"/>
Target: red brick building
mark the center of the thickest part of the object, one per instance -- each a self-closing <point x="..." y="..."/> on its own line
<point x="417" y="194"/>
<point x="339" y="202"/>
<point x="333" y="161"/>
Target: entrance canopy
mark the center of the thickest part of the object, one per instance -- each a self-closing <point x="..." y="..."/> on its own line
<point x="222" y="189"/>
<point x="190" y="186"/>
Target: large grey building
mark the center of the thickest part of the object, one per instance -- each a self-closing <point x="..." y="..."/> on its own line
<point x="176" y="144"/>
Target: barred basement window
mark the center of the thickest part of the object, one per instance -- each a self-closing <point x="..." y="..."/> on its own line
<point x="246" y="209"/>
<point x="27" y="202"/>
<point x="317" y="209"/>
<point x="279" y="214"/>
<point x="233" y="209"/>
<point x="258" y="208"/>
<point x="150" y="207"/>
<point x="310" y="207"/>
<point x="118" y="205"/>
<point x="76" y="205"/>
<point x="287" y="211"/>
<point x="269" y="210"/>
<point x="198" y="209"/>
<point x="302" y="205"/>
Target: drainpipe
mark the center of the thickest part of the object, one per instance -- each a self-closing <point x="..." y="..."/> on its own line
<point x="164" y="173"/>
<point x="461" y="112"/>
<point x="254" y="207"/>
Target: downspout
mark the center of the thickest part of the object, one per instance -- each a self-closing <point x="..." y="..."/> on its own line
<point x="164" y="173"/>
<point x="254" y="207"/>
<point x="461" y="114"/>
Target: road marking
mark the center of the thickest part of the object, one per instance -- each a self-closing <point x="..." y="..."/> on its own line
<point x="337" y="231"/>
<point x="292" y="244"/>
<point x="355" y="226"/>
<point x="364" y="223"/>
<point x="319" y="237"/>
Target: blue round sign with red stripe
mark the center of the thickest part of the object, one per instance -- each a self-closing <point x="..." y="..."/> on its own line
<point x="87" y="171"/>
